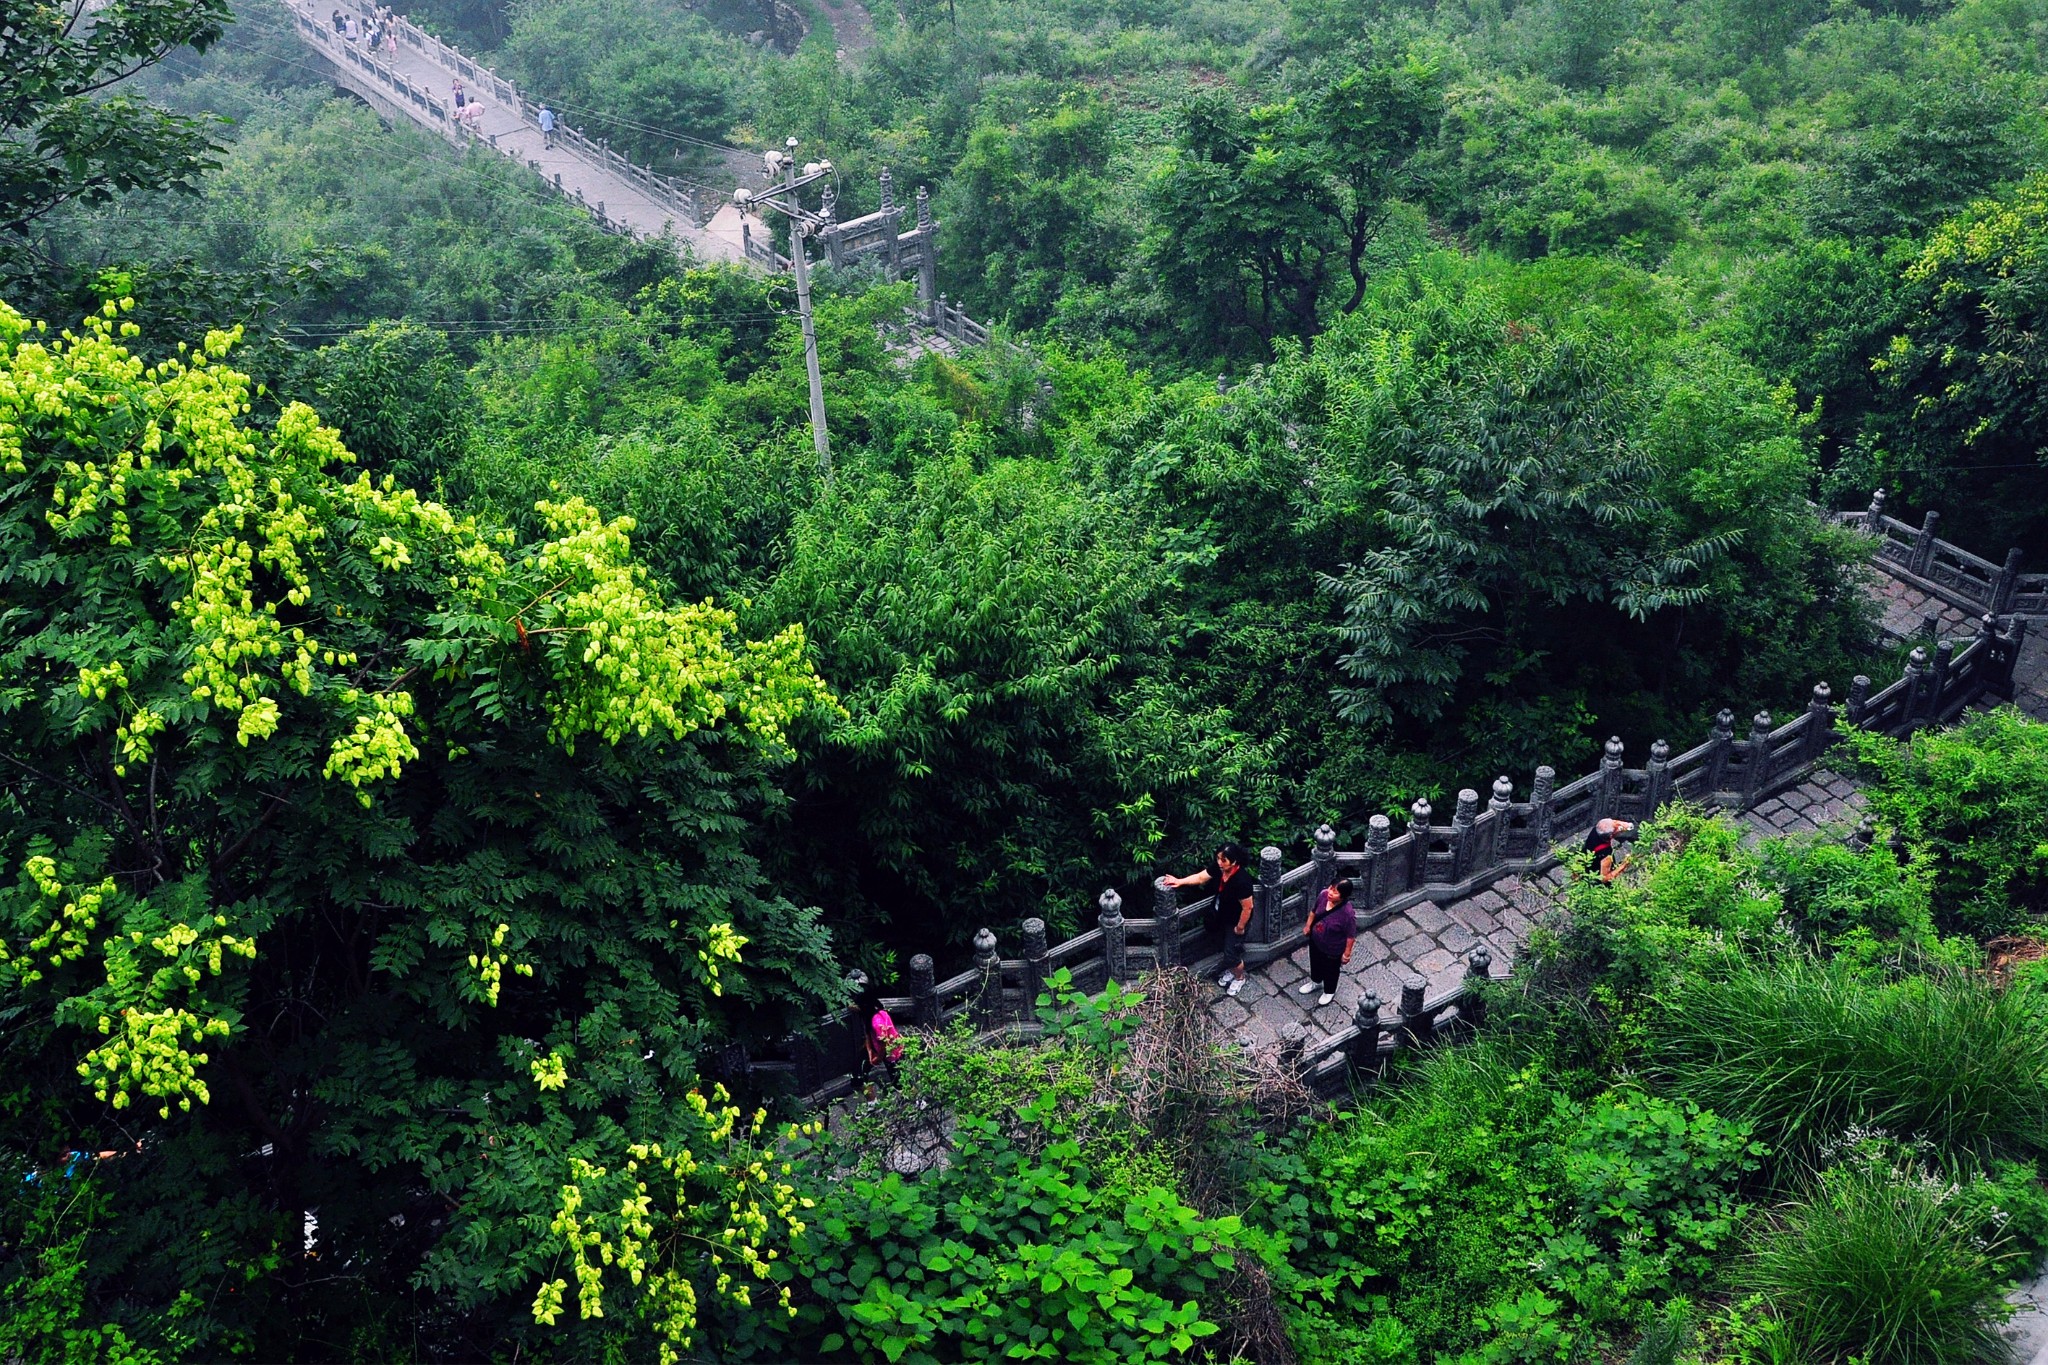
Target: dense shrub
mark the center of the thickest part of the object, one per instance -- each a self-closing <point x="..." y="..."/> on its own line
<point x="1884" y="1263"/>
<point x="1974" y="800"/>
<point x="1807" y="1049"/>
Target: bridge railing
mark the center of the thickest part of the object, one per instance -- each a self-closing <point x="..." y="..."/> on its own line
<point x="1915" y="555"/>
<point x="666" y="191"/>
<point x="1426" y="861"/>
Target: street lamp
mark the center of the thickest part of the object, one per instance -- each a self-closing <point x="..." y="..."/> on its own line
<point x="802" y="223"/>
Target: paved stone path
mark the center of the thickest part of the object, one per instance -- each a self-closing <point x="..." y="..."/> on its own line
<point x="505" y="127"/>
<point x="1434" y="942"/>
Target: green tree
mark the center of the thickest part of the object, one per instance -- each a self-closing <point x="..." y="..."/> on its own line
<point x="62" y="138"/>
<point x="368" y="868"/>
<point x="1965" y="371"/>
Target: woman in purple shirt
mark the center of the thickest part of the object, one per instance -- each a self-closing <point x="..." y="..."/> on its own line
<point x="1332" y="929"/>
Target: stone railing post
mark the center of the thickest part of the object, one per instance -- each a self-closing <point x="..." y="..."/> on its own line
<point x="1865" y="835"/>
<point x="1657" y="780"/>
<point x="927" y="255"/>
<point x="1539" y="806"/>
<point x="1365" y="1047"/>
<point x="1478" y="971"/>
<point x="1378" y="831"/>
<point x="1497" y="806"/>
<point x="1923" y="545"/>
<point x="1034" y="965"/>
<point x="1859" y="699"/>
<point x="2008" y="581"/>
<point x="1759" y="773"/>
<point x="1417" y="1028"/>
<point x="924" y="994"/>
<point x="1916" y="684"/>
<point x="1462" y="842"/>
<point x="1324" y="859"/>
<point x="1937" y="682"/>
<point x="1166" y="921"/>
<point x="1873" y="517"/>
<point x="1820" y="721"/>
<point x="1418" y="841"/>
<point x="988" y="991"/>
<point x="1723" y="742"/>
<point x="1266" y="904"/>
<point x="2015" y="640"/>
<point x="1110" y="918"/>
<point x="1607" y="800"/>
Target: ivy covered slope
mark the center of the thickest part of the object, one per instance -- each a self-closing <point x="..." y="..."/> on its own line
<point x="369" y="874"/>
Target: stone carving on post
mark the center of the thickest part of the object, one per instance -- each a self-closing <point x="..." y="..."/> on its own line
<point x="1035" y="964"/>
<point x="2008" y="581"/>
<point x="1417" y="1027"/>
<point x="893" y="236"/>
<point x="1937" y="681"/>
<point x="1759" y="772"/>
<point x="1378" y="832"/>
<point x="1539" y="806"/>
<point x="1365" y="1047"/>
<point x="1462" y="842"/>
<point x="1324" y="859"/>
<point x="1607" y="800"/>
<point x="1166" y="925"/>
<point x="924" y="994"/>
<point x="1916" y="672"/>
<point x="1497" y="806"/>
<point x="927" y="256"/>
<point x="1266" y="904"/>
<point x="1722" y="741"/>
<point x="988" y="991"/>
<point x="1873" y="519"/>
<point x="1418" y="841"/>
<point x="1923" y="545"/>
<point x="1657" y="780"/>
<point x="1478" y="971"/>
<point x="1859" y="698"/>
<point x="1820" y="721"/>
<point x="1110" y="918"/>
<point x="2015" y="641"/>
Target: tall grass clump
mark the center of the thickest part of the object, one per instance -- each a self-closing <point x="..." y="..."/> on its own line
<point x="1807" y="1049"/>
<point x="1883" y="1264"/>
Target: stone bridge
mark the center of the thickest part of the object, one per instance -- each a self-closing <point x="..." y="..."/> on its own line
<point x="1442" y="903"/>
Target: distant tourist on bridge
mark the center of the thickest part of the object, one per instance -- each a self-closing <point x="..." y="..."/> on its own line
<point x="546" y="119"/>
<point x="340" y="24"/>
<point x="1232" y="913"/>
<point x="460" y="98"/>
<point x="1332" y="930"/>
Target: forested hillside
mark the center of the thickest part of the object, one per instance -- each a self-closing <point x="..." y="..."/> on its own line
<point x="447" y="720"/>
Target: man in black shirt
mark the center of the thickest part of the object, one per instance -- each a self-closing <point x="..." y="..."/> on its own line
<point x="1233" y="908"/>
<point x="1600" y="843"/>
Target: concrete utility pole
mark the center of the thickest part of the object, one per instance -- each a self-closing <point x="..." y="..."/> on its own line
<point x="802" y="223"/>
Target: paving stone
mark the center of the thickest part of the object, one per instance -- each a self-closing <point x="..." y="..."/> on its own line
<point x="1516" y="923"/>
<point x="1798" y="799"/>
<point x="1368" y="951"/>
<point x="1399" y="934"/>
<point x="1434" y="961"/>
<point x="1457" y="938"/>
<point x="1428" y="917"/>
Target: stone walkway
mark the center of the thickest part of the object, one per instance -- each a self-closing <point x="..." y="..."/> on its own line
<point x="506" y="129"/>
<point x="1434" y="942"/>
